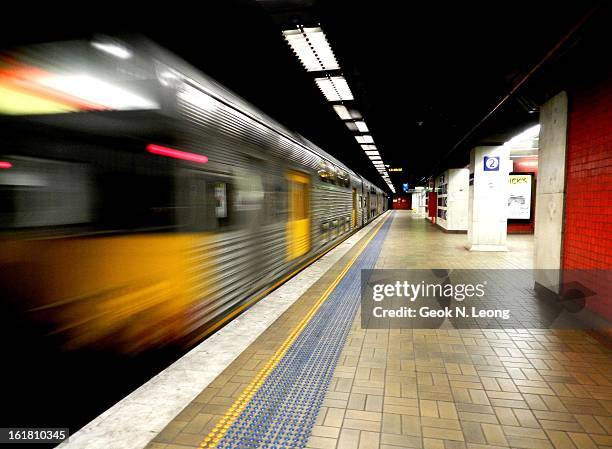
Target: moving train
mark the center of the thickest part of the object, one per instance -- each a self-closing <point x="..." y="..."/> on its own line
<point x="143" y="204"/>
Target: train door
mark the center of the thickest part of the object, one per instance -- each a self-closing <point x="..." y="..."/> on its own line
<point x="354" y="211"/>
<point x="298" y="225"/>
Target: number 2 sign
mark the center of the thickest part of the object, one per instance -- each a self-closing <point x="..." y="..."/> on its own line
<point x="491" y="163"/>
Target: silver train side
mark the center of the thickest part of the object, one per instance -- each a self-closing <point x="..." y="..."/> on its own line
<point x="107" y="242"/>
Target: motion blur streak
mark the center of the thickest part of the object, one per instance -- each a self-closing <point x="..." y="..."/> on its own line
<point x="129" y="291"/>
<point x="104" y="246"/>
<point x="176" y="154"/>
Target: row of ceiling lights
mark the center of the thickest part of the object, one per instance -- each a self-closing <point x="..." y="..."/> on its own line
<point x="314" y="52"/>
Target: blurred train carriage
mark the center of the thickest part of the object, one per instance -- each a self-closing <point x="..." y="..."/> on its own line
<point x="143" y="204"/>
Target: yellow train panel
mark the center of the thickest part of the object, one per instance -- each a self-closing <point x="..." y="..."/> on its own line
<point x="128" y="292"/>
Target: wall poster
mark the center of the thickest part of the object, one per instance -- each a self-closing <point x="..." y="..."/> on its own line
<point x="519" y="197"/>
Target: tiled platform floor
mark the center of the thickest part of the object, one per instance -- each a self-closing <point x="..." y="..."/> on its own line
<point x="437" y="389"/>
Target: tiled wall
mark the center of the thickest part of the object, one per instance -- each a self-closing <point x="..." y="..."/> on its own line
<point x="588" y="218"/>
<point x="587" y="240"/>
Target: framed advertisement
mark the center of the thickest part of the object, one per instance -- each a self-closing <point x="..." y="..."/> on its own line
<point x="520" y="196"/>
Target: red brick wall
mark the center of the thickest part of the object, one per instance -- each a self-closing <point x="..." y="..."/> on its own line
<point x="587" y="242"/>
<point x="588" y="203"/>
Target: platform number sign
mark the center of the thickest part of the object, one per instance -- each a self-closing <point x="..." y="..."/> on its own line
<point x="491" y="163"/>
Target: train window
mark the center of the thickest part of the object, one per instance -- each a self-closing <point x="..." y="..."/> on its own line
<point x="221" y="200"/>
<point x="276" y="200"/>
<point x="329" y="173"/>
<point x="343" y="179"/>
<point x="249" y="193"/>
<point x="220" y="192"/>
<point x="39" y="192"/>
<point x="192" y="201"/>
<point x="130" y="201"/>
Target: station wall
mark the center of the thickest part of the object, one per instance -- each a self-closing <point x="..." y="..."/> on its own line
<point x="588" y="201"/>
<point x="587" y="240"/>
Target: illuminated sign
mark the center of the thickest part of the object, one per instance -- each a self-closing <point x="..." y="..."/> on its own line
<point x="519" y="199"/>
<point x="405" y="187"/>
<point x="395" y="169"/>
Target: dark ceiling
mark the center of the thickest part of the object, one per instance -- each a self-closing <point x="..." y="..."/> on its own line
<point x="423" y="75"/>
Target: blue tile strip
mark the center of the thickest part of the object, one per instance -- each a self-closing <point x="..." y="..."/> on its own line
<point x="282" y="413"/>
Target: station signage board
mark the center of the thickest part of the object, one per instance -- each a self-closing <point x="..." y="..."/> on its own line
<point x="491" y="163"/>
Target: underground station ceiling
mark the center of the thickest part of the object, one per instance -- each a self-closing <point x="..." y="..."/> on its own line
<point x="428" y="80"/>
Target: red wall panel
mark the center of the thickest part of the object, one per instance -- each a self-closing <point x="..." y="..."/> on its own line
<point x="402" y="202"/>
<point x="432" y="206"/>
<point x="587" y="242"/>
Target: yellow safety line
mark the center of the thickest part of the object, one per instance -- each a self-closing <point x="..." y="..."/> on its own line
<point x="259" y="296"/>
<point x="215" y="435"/>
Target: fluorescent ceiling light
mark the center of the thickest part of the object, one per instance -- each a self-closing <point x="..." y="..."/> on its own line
<point x="335" y="88"/>
<point x="375" y="158"/>
<point x="351" y="126"/>
<point x="342" y="112"/>
<point x="372" y="153"/>
<point x="345" y="113"/>
<point x="368" y="147"/>
<point x="366" y="138"/>
<point x="98" y="92"/>
<point x="312" y="49"/>
<point x="361" y="126"/>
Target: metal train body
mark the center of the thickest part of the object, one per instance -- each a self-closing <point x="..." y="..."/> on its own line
<point x="107" y="241"/>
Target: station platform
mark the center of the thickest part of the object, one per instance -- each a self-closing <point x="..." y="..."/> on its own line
<point x="297" y="369"/>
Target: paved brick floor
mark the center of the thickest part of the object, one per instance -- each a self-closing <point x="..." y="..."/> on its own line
<point x="436" y="389"/>
<point x="444" y="389"/>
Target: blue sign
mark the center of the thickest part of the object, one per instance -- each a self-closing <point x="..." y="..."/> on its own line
<point x="491" y="163"/>
<point x="405" y="187"/>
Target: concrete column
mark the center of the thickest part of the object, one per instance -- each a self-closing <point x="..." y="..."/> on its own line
<point x="488" y="200"/>
<point x="422" y="195"/>
<point x="550" y="192"/>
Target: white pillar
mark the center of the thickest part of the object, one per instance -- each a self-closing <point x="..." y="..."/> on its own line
<point x="488" y="203"/>
<point x="550" y="192"/>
